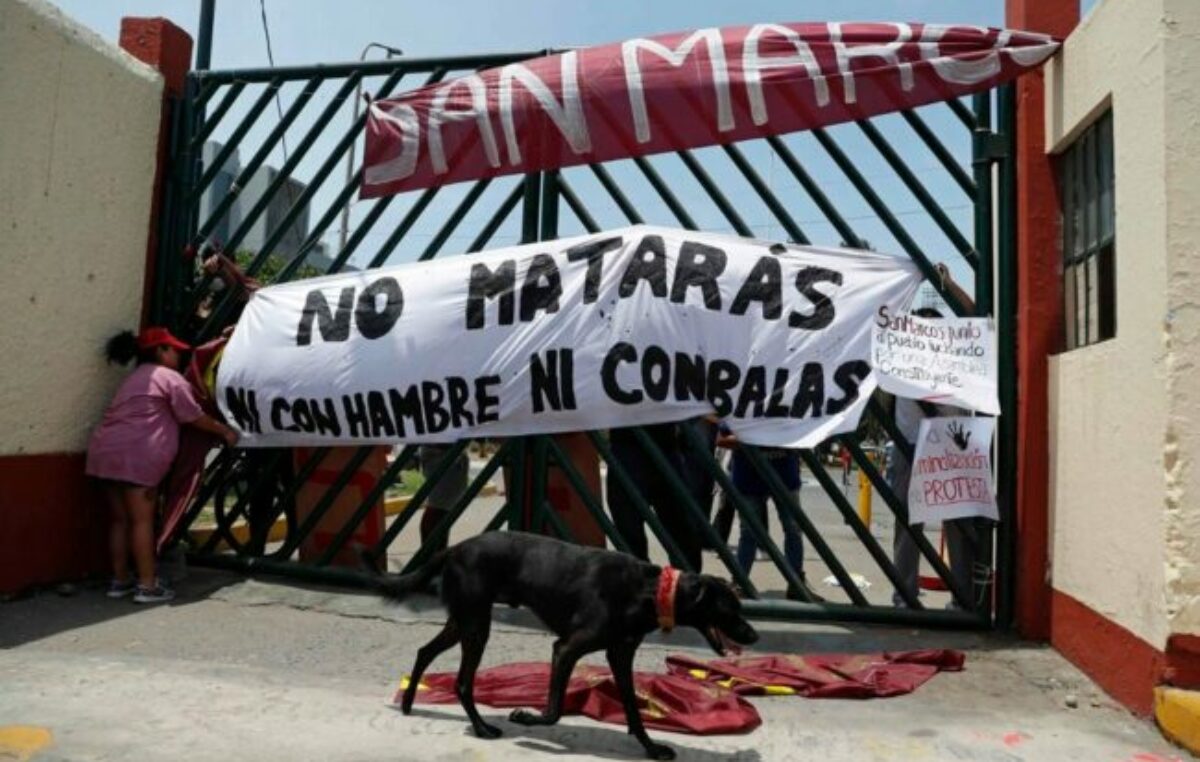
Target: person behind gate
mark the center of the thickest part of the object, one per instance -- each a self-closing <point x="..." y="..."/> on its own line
<point x="747" y="481"/>
<point x="961" y="534"/>
<point x="653" y="487"/>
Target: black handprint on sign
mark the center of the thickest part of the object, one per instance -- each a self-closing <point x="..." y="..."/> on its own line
<point x="960" y="437"/>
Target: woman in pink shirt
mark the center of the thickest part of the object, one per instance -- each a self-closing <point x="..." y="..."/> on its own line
<point x="132" y="449"/>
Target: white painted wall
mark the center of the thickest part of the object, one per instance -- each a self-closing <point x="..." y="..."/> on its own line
<point x="1124" y="412"/>
<point x="78" y="138"/>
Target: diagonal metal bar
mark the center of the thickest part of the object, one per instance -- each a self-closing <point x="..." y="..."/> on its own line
<point x="498" y="219"/>
<point x="225" y="529"/>
<point x="714" y="193"/>
<point x="962" y="112"/>
<point x="456" y="217"/>
<point x="682" y="496"/>
<point x="787" y="502"/>
<point x="635" y="495"/>
<point x="923" y="196"/>
<point x="417" y="501"/>
<point x="886" y="217"/>
<point x="260" y="156"/>
<point x="207" y="91"/>
<point x="814" y="192"/>
<point x="577" y="208"/>
<point x="401" y="230"/>
<point x="664" y="192"/>
<point x="781" y="215"/>
<point x="331" y="161"/>
<point x="498" y="520"/>
<point x="744" y="509"/>
<point x="441" y="532"/>
<point x="218" y="113"/>
<point x="940" y="151"/>
<point x="234" y="139"/>
<point x="297" y="154"/>
<point x="294" y="211"/>
<point x="326" y="502"/>
<point x="899" y="509"/>
<point x="591" y="501"/>
<point x="214" y="475"/>
<point x="299" y="479"/>
<point x="851" y="517"/>
<point x="285" y="172"/>
<point x="372" y="498"/>
<point x="617" y="194"/>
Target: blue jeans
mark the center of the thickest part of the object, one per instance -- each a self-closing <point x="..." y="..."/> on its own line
<point x="793" y="539"/>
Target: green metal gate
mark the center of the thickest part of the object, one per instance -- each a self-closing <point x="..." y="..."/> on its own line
<point x="308" y="117"/>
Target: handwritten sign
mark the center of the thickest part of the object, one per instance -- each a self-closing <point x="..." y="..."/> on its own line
<point x="942" y="360"/>
<point x="952" y="470"/>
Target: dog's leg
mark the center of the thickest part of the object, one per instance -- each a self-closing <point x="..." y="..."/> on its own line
<point x="620" y="660"/>
<point x="474" y="640"/>
<point x="425" y="656"/>
<point x="566" y="653"/>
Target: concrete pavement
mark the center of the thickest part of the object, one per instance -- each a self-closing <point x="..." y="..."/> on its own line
<point x="256" y="669"/>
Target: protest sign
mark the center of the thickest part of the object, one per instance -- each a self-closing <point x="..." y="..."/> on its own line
<point x="940" y="360"/>
<point x="629" y="327"/>
<point x="952" y="470"/>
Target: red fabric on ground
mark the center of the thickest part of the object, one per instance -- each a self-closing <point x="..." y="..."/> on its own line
<point x="667" y="702"/>
<point x="878" y="675"/>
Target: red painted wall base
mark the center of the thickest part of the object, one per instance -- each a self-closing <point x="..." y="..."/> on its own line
<point x="53" y="522"/>
<point x="1125" y="666"/>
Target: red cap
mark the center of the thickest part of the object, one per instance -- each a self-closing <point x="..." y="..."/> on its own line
<point x="156" y="336"/>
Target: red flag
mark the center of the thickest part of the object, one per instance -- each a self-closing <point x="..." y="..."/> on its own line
<point x="666" y="702"/>
<point x="821" y="675"/>
<point x="674" y="91"/>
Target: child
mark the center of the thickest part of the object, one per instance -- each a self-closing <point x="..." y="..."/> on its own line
<point x="132" y="449"/>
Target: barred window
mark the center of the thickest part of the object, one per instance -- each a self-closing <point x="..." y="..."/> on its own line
<point x="1085" y="173"/>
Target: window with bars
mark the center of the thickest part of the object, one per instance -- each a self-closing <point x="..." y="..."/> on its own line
<point x="1085" y="173"/>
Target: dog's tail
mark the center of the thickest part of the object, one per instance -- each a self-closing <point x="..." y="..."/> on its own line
<point x="396" y="586"/>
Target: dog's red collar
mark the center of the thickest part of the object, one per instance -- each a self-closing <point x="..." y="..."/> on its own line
<point x="664" y="598"/>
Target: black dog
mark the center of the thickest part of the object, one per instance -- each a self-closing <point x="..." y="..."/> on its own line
<point x="591" y="599"/>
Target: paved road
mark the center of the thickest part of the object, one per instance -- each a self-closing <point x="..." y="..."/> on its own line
<point x="257" y="670"/>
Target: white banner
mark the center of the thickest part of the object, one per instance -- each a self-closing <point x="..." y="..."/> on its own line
<point x="940" y="360"/>
<point x="952" y="470"/>
<point x="634" y="326"/>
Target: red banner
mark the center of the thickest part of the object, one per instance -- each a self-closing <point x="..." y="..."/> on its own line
<point x="674" y="91"/>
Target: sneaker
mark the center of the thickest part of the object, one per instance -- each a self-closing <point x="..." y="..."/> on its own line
<point x="119" y="589"/>
<point x="160" y="593"/>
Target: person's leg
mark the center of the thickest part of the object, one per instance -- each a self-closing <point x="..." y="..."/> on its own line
<point x="626" y="516"/>
<point x="676" y="518"/>
<point x="793" y="537"/>
<point x="907" y="558"/>
<point x="961" y="542"/>
<point x="747" y="546"/>
<point x="118" y="532"/>
<point x="140" y="505"/>
<point x="431" y="517"/>
<point x="793" y="551"/>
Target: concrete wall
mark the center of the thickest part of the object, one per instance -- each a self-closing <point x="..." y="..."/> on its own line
<point x="80" y="122"/>
<point x="79" y="137"/>
<point x="1124" y="413"/>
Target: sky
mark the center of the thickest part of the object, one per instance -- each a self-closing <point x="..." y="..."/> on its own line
<point x="320" y="31"/>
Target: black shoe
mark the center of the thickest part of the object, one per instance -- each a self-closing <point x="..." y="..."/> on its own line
<point x="803" y="593"/>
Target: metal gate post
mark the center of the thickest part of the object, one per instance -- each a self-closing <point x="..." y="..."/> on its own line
<point x="1006" y="336"/>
